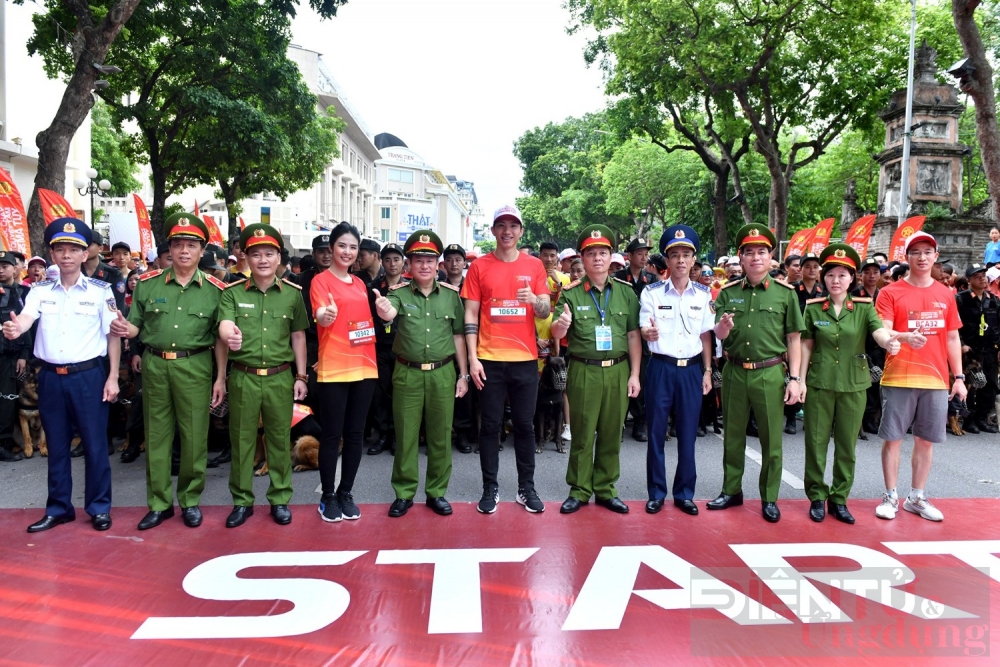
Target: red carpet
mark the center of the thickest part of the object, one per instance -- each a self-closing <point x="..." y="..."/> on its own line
<point x="592" y="588"/>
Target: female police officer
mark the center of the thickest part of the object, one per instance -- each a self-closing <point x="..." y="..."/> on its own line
<point x="835" y="374"/>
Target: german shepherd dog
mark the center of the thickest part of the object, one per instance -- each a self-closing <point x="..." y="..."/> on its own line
<point x="549" y="405"/>
<point x="304" y="447"/>
<point x="27" y="407"/>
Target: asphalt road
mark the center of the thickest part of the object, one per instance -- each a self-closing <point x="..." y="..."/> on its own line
<point x="964" y="467"/>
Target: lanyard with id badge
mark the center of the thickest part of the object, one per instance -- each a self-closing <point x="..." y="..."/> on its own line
<point x="602" y="333"/>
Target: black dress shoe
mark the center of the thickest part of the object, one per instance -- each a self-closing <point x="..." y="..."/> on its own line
<point x="613" y="504"/>
<point x="639" y="435"/>
<point x="870" y="427"/>
<point x="686" y="506"/>
<point x="653" y="506"/>
<point x="752" y="431"/>
<point x="790" y="427"/>
<point x="76" y="452"/>
<point x="862" y="435"/>
<point x="192" y="516"/>
<point x="225" y="456"/>
<point x="378" y="447"/>
<point x="399" y="507"/>
<point x="239" y="516"/>
<point x="770" y="512"/>
<point x="839" y="512"/>
<point x="816" y="512"/>
<point x="439" y="505"/>
<point x="47" y="522"/>
<point x="101" y="521"/>
<point x="571" y="505"/>
<point x="725" y="501"/>
<point x="969" y="426"/>
<point x="986" y="427"/>
<point x="281" y="514"/>
<point x="130" y="454"/>
<point x="702" y="432"/>
<point x="462" y="445"/>
<point x="672" y="432"/>
<point x="154" y="518"/>
<point x="717" y="428"/>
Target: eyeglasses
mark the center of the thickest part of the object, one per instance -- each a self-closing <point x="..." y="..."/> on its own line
<point x="922" y="253"/>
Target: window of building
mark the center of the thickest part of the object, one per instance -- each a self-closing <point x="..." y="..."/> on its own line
<point x="401" y="175"/>
<point x="385" y="236"/>
<point x="386" y="212"/>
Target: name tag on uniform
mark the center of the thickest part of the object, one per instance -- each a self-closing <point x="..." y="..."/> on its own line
<point x="583" y="307"/>
<point x="361" y="333"/>
<point x="665" y="307"/>
<point x="603" y="334"/>
<point x="245" y="305"/>
<point x="738" y="301"/>
<point x="86" y="308"/>
<point x="822" y="323"/>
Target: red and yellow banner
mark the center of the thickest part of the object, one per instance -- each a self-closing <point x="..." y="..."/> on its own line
<point x="897" y="249"/>
<point x="13" y="220"/>
<point x="299" y="412"/>
<point x="799" y="242"/>
<point x="146" y="243"/>
<point x="860" y="233"/>
<point x="214" y="234"/>
<point x="54" y="205"/>
<point x="821" y="238"/>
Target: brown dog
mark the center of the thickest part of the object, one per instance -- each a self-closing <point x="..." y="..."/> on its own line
<point x="27" y="408"/>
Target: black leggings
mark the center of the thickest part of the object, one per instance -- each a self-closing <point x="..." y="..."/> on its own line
<point x="342" y="410"/>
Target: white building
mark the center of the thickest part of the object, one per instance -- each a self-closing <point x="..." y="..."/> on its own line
<point x="467" y="193"/>
<point x="413" y="195"/>
<point x="28" y="103"/>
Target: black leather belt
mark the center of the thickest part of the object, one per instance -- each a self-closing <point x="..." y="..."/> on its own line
<point x="274" y="370"/>
<point x="674" y="361"/>
<point x="67" y="369"/>
<point x="179" y="354"/>
<point x="603" y="363"/>
<point x="425" y="367"/>
<point x="756" y="365"/>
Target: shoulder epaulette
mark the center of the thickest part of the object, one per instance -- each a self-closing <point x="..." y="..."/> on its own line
<point x="573" y="284"/>
<point x="861" y="299"/>
<point x="654" y="285"/>
<point x="99" y="283"/>
<point x="289" y="282"/>
<point x="400" y="284"/>
<point x="150" y="274"/>
<point x="623" y="282"/>
<point x="449" y="286"/>
<point x="215" y="281"/>
<point x="778" y="282"/>
<point x="703" y="288"/>
<point x="819" y="299"/>
<point x="732" y="282"/>
<point x="238" y="282"/>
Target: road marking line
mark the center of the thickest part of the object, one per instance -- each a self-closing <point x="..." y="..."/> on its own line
<point x="786" y="477"/>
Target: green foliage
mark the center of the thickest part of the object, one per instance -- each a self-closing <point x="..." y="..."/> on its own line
<point x="486" y="246"/>
<point x="106" y="153"/>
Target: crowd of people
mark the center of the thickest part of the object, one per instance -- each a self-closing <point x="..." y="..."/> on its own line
<point x="428" y="343"/>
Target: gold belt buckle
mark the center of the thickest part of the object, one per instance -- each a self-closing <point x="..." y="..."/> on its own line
<point x="62" y="370"/>
<point x="426" y="367"/>
<point x="748" y="365"/>
<point x="681" y="363"/>
<point x="607" y="363"/>
<point x="261" y="371"/>
<point x="169" y="355"/>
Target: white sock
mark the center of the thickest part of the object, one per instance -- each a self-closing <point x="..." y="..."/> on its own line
<point x="916" y="493"/>
<point x="892" y="492"/>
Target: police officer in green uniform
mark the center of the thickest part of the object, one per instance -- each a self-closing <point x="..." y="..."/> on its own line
<point x="759" y="321"/>
<point x="174" y="314"/>
<point x="430" y="342"/>
<point x="836" y="377"/>
<point x="262" y="321"/>
<point x="599" y="316"/>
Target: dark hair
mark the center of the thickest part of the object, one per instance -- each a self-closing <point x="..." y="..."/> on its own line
<point x="549" y="245"/>
<point x="133" y="272"/>
<point x="961" y="283"/>
<point x="20" y="256"/>
<point x="658" y="261"/>
<point x="307" y="264"/>
<point x="792" y="258"/>
<point x="294" y="261"/>
<point x="285" y="255"/>
<point x="774" y="273"/>
<point x="344" y="228"/>
<point x="899" y="271"/>
<point x="830" y="267"/>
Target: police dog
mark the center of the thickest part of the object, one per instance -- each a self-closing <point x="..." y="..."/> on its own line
<point x="549" y="405"/>
<point x="304" y="447"/>
<point x="27" y="408"/>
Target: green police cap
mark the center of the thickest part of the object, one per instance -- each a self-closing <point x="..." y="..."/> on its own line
<point x="423" y="242"/>
<point x="840" y="254"/>
<point x="185" y="226"/>
<point x="755" y="233"/>
<point x="596" y="235"/>
<point x="260" y="234"/>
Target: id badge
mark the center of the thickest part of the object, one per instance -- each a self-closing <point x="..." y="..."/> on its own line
<point x="603" y="334"/>
<point x="361" y="333"/>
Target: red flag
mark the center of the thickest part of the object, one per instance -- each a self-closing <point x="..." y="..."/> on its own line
<point x="859" y="234"/>
<point x="214" y="235"/>
<point x="243" y="225"/>
<point x="54" y="205"/>
<point x="822" y="236"/>
<point x="909" y="227"/>
<point x="13" y="220"/>
<point x="146" y="244"/>
<point x="799" y="242"/>
<point x="196" y="213"/>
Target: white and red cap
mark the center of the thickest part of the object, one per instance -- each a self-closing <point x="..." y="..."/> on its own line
<point x="618" y="259"/>
<point x="508" y="211"/>
<point x="34" y="259"/>
<point x="567" y="253"/>
<point x="992" y="273"/>
<point x="918" y="237"/>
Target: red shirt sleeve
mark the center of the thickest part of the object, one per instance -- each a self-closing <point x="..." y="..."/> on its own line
<point x="470" y="288"/>
<point x="885" y="305"/>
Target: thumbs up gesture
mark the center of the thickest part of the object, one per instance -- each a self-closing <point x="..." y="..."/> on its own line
<point x="382" y="306"/>
<point x="12" y="329"/>
<point x="327" y="313"/>
<point x="651" y="333"/>
<point x="119" y="327"/>
<point x="235" y="341"/>
<point x="524" y="293"/>
<point x="565" y="317"/>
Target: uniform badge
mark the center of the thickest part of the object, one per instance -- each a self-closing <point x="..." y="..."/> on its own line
<point x="69" y="228"/>
<point x="120" y="286"/>
<point x="753" y="232"/>
<point x="112" y="306"/>
<point x="424" y="238"/>
<point x="596" y="234"/>
<point x="839" y="253"/>
<point x="183" y="223"/>
<point x="259" y="233"/>
<point x="679" y="234"/>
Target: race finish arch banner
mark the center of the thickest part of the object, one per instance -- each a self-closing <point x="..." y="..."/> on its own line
<point x="13" y="220"/>
<point x="592" y="588"/>
<point x="910" y="226"/>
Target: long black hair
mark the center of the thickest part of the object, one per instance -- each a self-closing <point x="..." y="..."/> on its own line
<point x="344" y="228"/>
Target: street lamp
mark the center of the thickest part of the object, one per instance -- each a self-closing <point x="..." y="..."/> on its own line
<point x="86" y="186"/>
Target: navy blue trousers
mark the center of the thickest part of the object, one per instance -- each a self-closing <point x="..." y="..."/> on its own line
<point x="672" y="389"/>
<point x="65" y="402"/>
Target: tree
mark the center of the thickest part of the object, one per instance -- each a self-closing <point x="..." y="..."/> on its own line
<point x="797" y="72"/>
<point x="74" y="37"/>
<point x="106" y="141"/>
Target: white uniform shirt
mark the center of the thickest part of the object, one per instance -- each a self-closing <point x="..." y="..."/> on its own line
<point x="73" y="324"/>
<point x="680" y="317"/>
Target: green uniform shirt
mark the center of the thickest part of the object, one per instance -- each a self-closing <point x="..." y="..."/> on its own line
<point x="585" y="303"/>
<point x="266" y="320"/>
<point x="174" y="318"/>
<point x="837" y="362"/>
<point x="762" y="317"/>
<point x="425" y="325"/>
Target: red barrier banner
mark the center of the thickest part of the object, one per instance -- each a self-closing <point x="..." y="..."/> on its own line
<point x="13" y="220"/>
<point x="799" y="242"/>
<point x="860" y="233"/>
<point x="822" y="236"/>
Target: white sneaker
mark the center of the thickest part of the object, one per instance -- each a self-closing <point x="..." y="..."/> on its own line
<point x="923" y="507"/>
<point x="565" y="433"/>
<point x="888" y="508"/>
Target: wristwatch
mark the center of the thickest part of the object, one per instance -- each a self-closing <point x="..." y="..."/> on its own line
<point x="465" y="377"/>
<point x="795" y="377"/>
<point x="960" y="376"/>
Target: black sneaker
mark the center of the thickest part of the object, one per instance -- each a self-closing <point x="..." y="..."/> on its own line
<point x="529" y="499"/>
<point x="329" y="509"/>
<point x="347" y="507"/>
<point x="488" y="503"/>
<point x="9" y="456"/>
